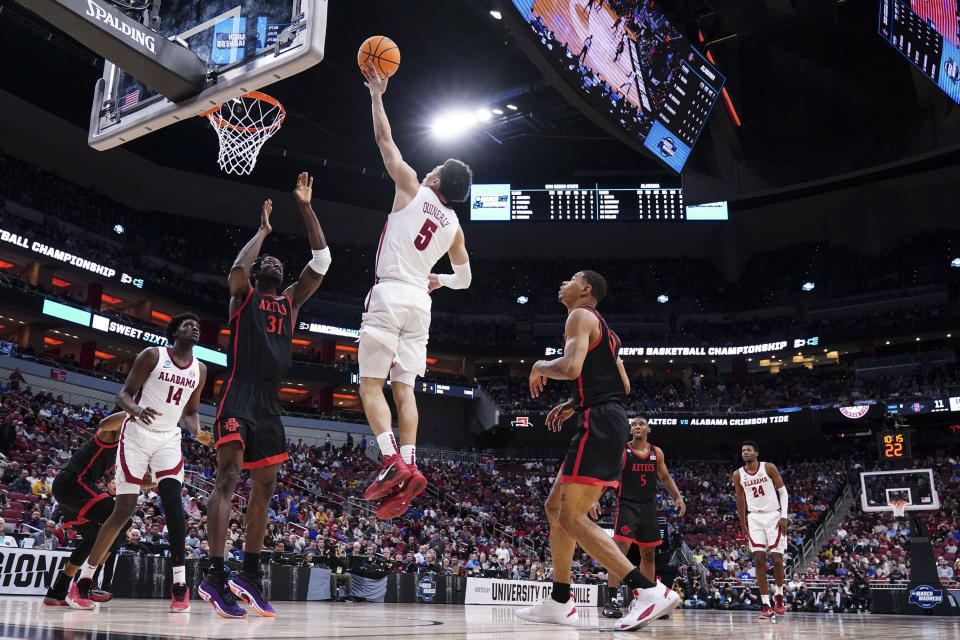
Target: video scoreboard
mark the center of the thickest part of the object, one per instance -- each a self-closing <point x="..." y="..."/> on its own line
<point x="576" y="203"/>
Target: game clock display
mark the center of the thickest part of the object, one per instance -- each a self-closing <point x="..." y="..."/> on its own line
<point x="894" y="445"/>
<point x="575" y="203"/>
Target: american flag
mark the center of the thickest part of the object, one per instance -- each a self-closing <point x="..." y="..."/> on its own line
<point x="130" y="99"/>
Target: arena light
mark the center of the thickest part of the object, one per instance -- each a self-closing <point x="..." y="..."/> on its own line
<point x="57" y="282"/>
<point x="453" y="124"/>
<point x="118" y="229"/>
<point x="483" y="115"/>
<point x="496" y="15"/>
<point x="663" y="298"/>
<point x="159" y="315"/>
<point x="103" y="355"/>
<point x="299" y="392"/>
<point x="512" y="107"/>
<point x="5" y="265"/>
<point x="808" y="286"/>
<point x="52" y="341"/>
<point x="299" y="342"/>
<point x="498" y="112"/>
<point x="110" y="299"/>
<point x="523" y="300"/>
<point x="955" y="263"/>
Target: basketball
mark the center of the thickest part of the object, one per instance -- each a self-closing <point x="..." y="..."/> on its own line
<point x="383" y="51"/>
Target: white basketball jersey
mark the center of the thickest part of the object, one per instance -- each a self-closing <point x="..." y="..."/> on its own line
<point x="414" y="238"/>
<point x="761" y="496"/>
<point x="167" y="389"/>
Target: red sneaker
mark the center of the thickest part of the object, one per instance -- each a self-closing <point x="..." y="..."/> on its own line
<point x="99" y="595"/>
<point x="397" y="504"/>
<point x="393" y="473"/>
<point x="79" y="595"/>
<point x="766" y="613"/>
<point x="181" y="598"/>
<point x="54" y="601"/>
<point x="778" y="607"/>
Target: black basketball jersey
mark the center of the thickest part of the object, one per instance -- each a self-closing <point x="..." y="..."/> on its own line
<point x="639" y="480"/>
<point x="260" y="335"/>
<point x="91" y="462"/>
<point x="600" y="379"/>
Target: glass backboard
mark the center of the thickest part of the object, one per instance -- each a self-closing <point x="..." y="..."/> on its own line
<point x="246" y="45"/>
<point x="915" y="486"/>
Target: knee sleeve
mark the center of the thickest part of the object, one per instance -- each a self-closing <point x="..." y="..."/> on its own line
<point x="169" y="490"/>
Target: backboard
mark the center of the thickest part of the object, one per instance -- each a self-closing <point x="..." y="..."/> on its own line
<point x="246" y="45"/>
<point x="915" y="486"/>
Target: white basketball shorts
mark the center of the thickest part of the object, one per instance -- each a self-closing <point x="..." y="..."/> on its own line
<point x="394" y="332"/>
<point x="765" y="534"/>
<point x="141" y="448"/>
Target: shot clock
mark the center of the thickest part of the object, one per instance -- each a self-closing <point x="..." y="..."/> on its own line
<point x="894" y="445"/>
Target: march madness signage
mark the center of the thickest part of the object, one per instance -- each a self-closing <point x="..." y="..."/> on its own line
<point x="29" y="572"/>
<point x="496" y="591"/>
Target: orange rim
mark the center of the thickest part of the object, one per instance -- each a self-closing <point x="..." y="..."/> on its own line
<point x="217" y="121"/>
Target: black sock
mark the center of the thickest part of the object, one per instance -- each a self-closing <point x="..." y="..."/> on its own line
<point x="251" y="564"/>
<point x="62" y="584"/>
<point x="561" y="592"/>
<point x="612" y="592"/>
<point x="636" y="580"/>
<point x="216" y="565"/>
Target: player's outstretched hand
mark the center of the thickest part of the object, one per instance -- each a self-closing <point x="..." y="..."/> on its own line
<point x="537" y="381"/>
<point x="434" y="283"/>
<point x="594" y="512"/>
<point x="265" y="212"/>
<point x="205" y="438"/>
<point x="558" y="415"/>
<point x="303" y="192"/>
<point x="148" y="415"/>
<point x="375" y="83"/>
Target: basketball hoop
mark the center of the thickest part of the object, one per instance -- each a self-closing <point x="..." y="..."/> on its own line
<point x="243" y="125"/>
<point x="899" y="508"/>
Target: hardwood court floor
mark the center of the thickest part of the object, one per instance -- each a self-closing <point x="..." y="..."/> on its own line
<point x="26" y="617"/>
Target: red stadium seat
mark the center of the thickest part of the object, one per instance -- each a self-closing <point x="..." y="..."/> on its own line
<point x="17" y="506"/>
<point x="12" y="515"/>
<point x="33" y="498"/>
<point x="17" y="496"/>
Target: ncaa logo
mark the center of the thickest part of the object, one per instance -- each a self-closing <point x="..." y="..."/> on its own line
<point x="926" y="597"/>
<point x="427" y="589"/>
<point x="667" y="147"/>
<point x="167" y="363"/>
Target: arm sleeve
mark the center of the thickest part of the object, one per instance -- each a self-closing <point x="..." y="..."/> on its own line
<point x="321" y="260"/>
<point x="784" y="501"/>
<point x="459" y="279"/>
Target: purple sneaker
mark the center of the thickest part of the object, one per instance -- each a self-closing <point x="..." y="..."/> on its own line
<point x="214" y="590"/>
<point x="250" y="591"/>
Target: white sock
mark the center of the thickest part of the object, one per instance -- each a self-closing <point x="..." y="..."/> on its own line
<point x="408" y="453"/>
<point x="88" y="570"/>
<point x="388" y="446"/>
<point x="765" y="599"/>
<point x="779" y="589"/>
<point x="180" y="575"/>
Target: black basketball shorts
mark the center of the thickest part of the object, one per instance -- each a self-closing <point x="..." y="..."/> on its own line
<point x="595" y="455"/>
<point x="250" y="414"/>
<point x="637" y="523"/>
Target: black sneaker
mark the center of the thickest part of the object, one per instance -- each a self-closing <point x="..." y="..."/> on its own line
<point x="612" y="610"/>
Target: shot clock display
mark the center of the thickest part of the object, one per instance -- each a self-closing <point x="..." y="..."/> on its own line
<point x="894" y="445"/>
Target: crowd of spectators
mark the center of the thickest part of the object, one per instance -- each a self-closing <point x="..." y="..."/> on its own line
<point x="478" y="518"/>
<point x="800" y="387"/>
<point x="80" y="219"/>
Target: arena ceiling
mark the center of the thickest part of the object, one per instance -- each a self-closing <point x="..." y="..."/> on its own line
<point x="818" y="93"/>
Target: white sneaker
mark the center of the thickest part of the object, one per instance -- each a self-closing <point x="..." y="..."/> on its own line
<point x="552" y="612"/>
<point x="647" y="606"/>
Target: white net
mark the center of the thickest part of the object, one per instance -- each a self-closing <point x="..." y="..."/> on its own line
<point x="899" y="508"/>
<point x="243" y="125"/>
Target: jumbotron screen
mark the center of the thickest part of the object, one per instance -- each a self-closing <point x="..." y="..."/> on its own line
<point x="632" y="65"/>
<point x="927" y="32"/>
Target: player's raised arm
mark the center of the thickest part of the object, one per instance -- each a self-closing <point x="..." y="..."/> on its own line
<point x="144" y="363"/>
<point x="668" y="482"/>
<point x="239" y="278"/>
<point x="312" y="274"/>
<point x="781" y="488"/>
<point x="580" y="324"/>
<point x="460" y="261"/>
<point x="741" y="504"/>
<point x="403" y="174"/>
<point x="191" y="411"/>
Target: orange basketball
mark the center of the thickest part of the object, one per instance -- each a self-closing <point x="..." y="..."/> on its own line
<point x="384" y="53"/>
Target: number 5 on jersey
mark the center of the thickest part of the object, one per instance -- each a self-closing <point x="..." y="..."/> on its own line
<point x="426" y="235"/>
